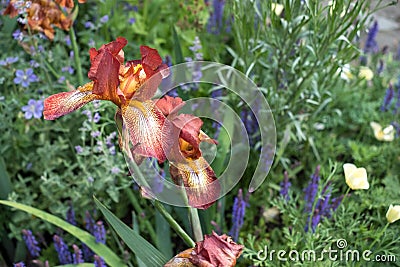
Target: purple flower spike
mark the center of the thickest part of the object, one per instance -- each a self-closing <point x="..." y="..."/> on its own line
<point x="238" y="212"/>
<point x="77" y="255"/>
<point x="311" y="190"/>
<point x="388" y="98"/>
<point x="285" y="185"/>
<point x="71" y="213"/>
<point x="31" y="243"/>
<point x="100" y="232"/>
<point x="99" y="262"/>
<point x="64" y="256"/>
<point x="19" y="264"/>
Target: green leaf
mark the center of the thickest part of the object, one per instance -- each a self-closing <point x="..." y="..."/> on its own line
<point x="177" y="47"/>
<point x="5" y="183"/>
<point x="145" y="251"/>
<point x="100" y="249"/>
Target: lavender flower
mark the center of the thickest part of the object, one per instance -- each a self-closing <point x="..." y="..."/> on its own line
<point x="19" y="264"/>
<point x="311" y="190"/>
<point x="67" y="40"/>
<point x="25" y="77"/>
<point x="96" y="117"/>
<point x="64" y="256"/>
<point x="18" y="35"/>
<point x="115" y="170"/>
<point x="33" y="109"/>
<point x="388" y="98"/>
<point x="100" y="232"/>
<point x="89" y="25"/>
<point x="158" y="183"/>
<point x="71" y="214"/>
<point x="371" y="45"/>
<point x="131" y="21"/>
<point x="285" y="185"/>
<point x="238" y="212"/>
<point x="215" y="25"/>
<point x="104" y="19"/>
<point x="78" y="149"/>
<point x="8" y="61"/>
<point x="31" y="243"/>
<point x="89" y="226"/>
<point x="34" y="64"/>
<point x="77" y="255"/>
<point x="95" y="134"/>
<point x="99" y="262"/>
<point x="68" y="69"/>
<point x="335" y="203"/>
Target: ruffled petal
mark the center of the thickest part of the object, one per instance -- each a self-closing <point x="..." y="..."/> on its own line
<point x="201" y="184"/>
<point x="169" y="106"/>
<point x="104" y="72"/>
<point x="63" y="103"/>
<point x="145" y="123"/>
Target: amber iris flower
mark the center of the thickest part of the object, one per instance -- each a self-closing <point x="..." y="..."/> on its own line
<point x="155" y="128"/>
<point x="42" y="15"/>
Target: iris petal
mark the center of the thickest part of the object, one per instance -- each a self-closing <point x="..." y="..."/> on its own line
<point x="145" y="123"/>
<point x="63" y="103"/>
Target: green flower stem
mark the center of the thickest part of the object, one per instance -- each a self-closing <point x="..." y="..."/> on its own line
<point x="174" y="225"/>
<point x="77" y="59"/>
<point x="139" y="211"/>
<point x="195" y="222"/>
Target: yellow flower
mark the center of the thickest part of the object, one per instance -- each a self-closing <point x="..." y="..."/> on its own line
<point x="366" y="73"/>
<point x="356" y="178"/>
<point x="386" y="134"/>
<point x="393" y="213"/>
<point x="277" y="8"/>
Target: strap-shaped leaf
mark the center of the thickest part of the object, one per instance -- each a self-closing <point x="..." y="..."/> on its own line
<point x="145" y="251"/>
<point x="100" y="249"/>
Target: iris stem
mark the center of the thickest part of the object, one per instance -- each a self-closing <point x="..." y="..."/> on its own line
<point x="174" y="225"/>
<point x="195" y="222"/>
<point x="77" y="59"/>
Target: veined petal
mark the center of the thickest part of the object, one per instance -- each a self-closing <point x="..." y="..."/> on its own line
<point x="63" y="103"/>
<point x="145" y="123"/>
<point x="169" y="105"/>
<point x="201" y="185"/>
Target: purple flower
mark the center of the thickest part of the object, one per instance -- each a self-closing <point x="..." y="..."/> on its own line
<point x="115" y="170"/>
<point x="71" y="214"/>
<point x="158" y="182"/>
<point x="95" y="134"/>
<point x="371" y="46"/>
<point x="131" y="21"/>
<point x="25" y="78"/>
<point x="388" y="98"/>
<point x="100" y="232"/>
<point x="96" y="117"/>
<point x="238" y="212"/>
<point x="31" y="243"/>
<point x="78" y="149"/>
<point x="99" y="262"/>
<point x="33" y="109"/>
<point x="311" y="190"/>
<point x="18" y="35"/>
<point x="19" y="264"/>
<point x="285" y="185"/>
<point x="8" y="61"/>
<point x="77" y="255"/>
<point x="215" y="25"/>
<point x="64" y="256"/>
<point x="67" y="40"/>
<point x="89" y="24"/>
<point x="69" y="69"/>
<point x="104" y="19"/>
<point x="33" y="64"/>
<point x="61" y="79"/>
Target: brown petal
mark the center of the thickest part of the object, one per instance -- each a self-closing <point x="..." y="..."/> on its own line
<point x="216" y="251"/>
<point x="63" y="103"/>
<point x="201" y="185"/>
<point x="181" y="260"/>
<point x="104" y="72"/>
